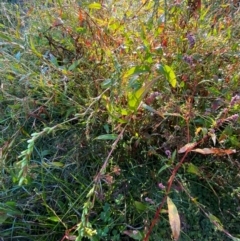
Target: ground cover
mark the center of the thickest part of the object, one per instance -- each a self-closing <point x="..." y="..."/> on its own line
<point x="119" y="120"/>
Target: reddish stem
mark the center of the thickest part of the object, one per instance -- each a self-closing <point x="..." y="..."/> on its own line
<point x="170" y="181"/>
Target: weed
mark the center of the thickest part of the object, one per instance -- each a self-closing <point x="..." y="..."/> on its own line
<point x="109" y="109"/>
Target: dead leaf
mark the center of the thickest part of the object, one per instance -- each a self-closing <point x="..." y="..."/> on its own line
<point x="194" y="6"/>
<point x="213" y="137"/>
<point x="71" y="237"/>
<point x="188" y="147"/>
<point x="215" y="151"/>
<point x="174" y="219"/>
<point x="116" y="170"/>
<point x="57" y="22"/>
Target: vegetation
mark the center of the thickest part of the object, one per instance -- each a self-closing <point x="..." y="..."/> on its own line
<point x="119" y="120"/>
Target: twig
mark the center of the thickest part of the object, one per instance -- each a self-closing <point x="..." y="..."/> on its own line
<point x="218" y="124"/>
<point x="103" y="168"/>
<point x="170" y="181"/>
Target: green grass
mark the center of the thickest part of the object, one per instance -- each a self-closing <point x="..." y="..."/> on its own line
<point x="95" y="103"/>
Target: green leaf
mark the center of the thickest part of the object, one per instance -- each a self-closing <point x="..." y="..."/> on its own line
<point x="95" y="6"/>
<point x="106" y="83"/>
<point x="107" y="137"/>
<point x="33" y="48"/>
<point x="135" y="98"/>
<point x="79" y="238"/>
<point x="163" y="168"/>
<point x="169" y="74"/>
<point x="134" y="82"/>
<point x="22" y="180"/>
<point x="216" y="222"/>
<point x="57" y="164"/>
<point x="11" y="204"/>
<point x="54" y="219"/>
<point x="193" y="169"/>
<point x="136" y="70"/>
<point x="124" y="112"/>
<point x="115" y="112"/>
<point x="3" y="216"/>
<point x="45" y="153"/>
<point x="114" y="25"/>
<point x="54" y="60"/>
<point x="5" y="37"/>
<point x="74" y="65"/>
<point x="8" y="209"/>
<point x="174" y="219"/>
<point x="140" y="206"/>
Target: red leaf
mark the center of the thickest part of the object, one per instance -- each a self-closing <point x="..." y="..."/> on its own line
<point x="164" y="41"/>
<point x="81" y="16"/>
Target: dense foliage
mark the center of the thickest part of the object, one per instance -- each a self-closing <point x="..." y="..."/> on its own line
<point x="119" y="120"/>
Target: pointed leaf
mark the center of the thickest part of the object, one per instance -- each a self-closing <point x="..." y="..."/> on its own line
<point x="134" y="234"/>
<point x="5" y="37"/>
<point x="90" y="193"/>
<point x="95" y="6"/>
<point x="140" y="206"/>
<point x="136" y="70"/>
<point x="54" y="218"/>
<point x="188" y="147"/>
<point x="163" y="168"/>
<point x="149" y="108"/>
<point x="74" y="65"/>
<point x="54" y="60"/>
<point x="57" y="164"/>
<point x="213" y="137"/>
<point x="3" y="216"/>
<point x="169" y="74"/>
<point x="34" y="49"/>
<point x="215" y="151"/>
<point x="193" y="169"/>
<point x="106" y="83"/>
<point x="135" y="98"/>
<point x="174" y="219"/>
<point x="11" y="204"/>
<point x="216" y="222"/>
<point x="124" y="111"/>
<point x="107" y="137"/>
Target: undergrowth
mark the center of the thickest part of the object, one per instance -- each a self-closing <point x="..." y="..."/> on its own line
<point x="109" y="109"/>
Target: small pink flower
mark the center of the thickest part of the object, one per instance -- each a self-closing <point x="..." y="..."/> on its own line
<point x="233" y="118"/>
<point x="149" y="200"/>
<point x="234" y="100"/>
<point x="188" y="59"/>
<point x="168" y="153"/>
<point x="191" y="40"/>
<point x="161" y="186"/>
